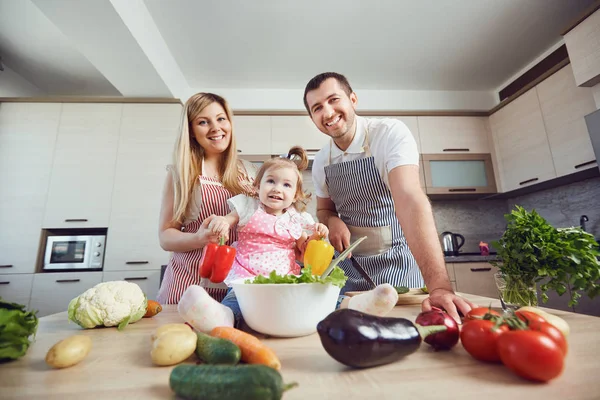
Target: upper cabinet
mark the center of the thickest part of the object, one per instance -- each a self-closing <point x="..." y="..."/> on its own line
<point x="27" y="139"/>
<point x="289" y="131"/>
<point x="524" y="156"/>
<point x="564" y="106"/>
<point x="583" y="45"/>
<point x="84" y="166"/>
<point x="252" y="134"/>
<point x="447" y="135"/>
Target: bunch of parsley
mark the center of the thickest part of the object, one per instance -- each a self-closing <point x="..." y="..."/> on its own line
<point x="336" y="277"/>
<point x="533" y="250"/>
<point x="16" y="326"/>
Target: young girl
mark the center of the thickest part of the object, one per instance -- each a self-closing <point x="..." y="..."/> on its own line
<point x="271" y="233"/>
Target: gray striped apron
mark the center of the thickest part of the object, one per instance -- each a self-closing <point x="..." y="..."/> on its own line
<point x="366" y="206"/>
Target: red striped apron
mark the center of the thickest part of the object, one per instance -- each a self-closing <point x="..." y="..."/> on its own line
<point x="183" y="269"/>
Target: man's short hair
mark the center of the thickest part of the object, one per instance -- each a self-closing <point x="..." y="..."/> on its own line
<point x="316" y="82"/>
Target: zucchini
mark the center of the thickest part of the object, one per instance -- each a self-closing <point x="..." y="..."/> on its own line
<point x="227" y="382"/>
<point x="214" y="350"/>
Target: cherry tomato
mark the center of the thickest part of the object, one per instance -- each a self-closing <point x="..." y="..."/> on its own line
<point x="531" y="354"/>
<point x="552" y="332"/>
<point x="529" y="316"/>
<point x="479" y="312"/>
<point x="479" y="339"/>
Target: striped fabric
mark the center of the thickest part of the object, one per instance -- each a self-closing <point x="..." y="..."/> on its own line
<point x="183" y="269"/>
<point x="362" y="199"/>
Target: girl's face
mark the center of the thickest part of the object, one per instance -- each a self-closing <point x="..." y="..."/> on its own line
<point x="212" y="129"/>
<point x="277" y="190"/>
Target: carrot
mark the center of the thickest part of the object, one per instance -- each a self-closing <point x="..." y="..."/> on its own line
<point x="152" y="309"/>
<point x="253" y="350"/>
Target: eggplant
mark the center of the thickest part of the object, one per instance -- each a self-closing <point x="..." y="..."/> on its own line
<point x="361" y="340"/>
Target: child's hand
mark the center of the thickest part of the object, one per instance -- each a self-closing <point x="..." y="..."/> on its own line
<point x="321" y="230"/>
<point x="219" y="226"/>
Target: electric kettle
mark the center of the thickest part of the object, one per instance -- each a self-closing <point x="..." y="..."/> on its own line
<point x="450" y="243"/>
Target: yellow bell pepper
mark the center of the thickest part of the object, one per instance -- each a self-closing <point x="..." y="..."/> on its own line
<point x="318" y="255"/>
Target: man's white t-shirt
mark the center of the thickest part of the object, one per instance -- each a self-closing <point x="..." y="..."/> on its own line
<point x="390" y="142"/>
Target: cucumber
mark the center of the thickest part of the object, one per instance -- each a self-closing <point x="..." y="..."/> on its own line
<point x="227" y="382"/>
<point x="214" y="350"/>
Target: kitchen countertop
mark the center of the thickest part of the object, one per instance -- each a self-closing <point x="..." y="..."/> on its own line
<point x="119" y="367"/>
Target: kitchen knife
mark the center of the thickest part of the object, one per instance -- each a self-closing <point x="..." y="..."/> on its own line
<point x="361" y="271"/>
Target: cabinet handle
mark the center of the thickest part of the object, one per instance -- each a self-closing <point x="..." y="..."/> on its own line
<point x="463" y="190"/>
<point x="239" y="151"/>
<point x="76" y="220"/>
<point x="312" y="149"/>
<point x="456" y="150"/>
<point x="136" y="262"/>
<point x="137" y="278"/>
<point x="585" y="164"/>
<point x="67" y="280"/>
<point x="481" y="269"/>
<point x="4" y="283"/>
<point x="6" y="266"/>
<point x="528" y="181"/>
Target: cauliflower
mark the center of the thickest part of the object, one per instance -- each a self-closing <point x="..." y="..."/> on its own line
<point x="115" y="303"/>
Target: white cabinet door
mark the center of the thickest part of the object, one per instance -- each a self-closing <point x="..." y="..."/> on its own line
<point x="52" y="292"/>
<point x="148" y="281"/>
<point x="295" y="130"/>
<point x="523" y="148"/>
<point x="27" y="138"/>
<point x="447" y="135"/>
<point x="252" y="134"/>
<point x="16" y="288"/>
<point x="564" y="106"/>
<point x="148" y="134"/>
<point x="84" y="166"/>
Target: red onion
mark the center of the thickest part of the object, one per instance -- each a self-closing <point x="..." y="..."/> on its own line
<point x="442" y="340"/>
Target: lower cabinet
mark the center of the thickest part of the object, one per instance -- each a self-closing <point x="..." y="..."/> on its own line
<point x="148" y="281"/>
<point x="52" y="292"/>
<point x="476" y="278"/>
<point x="16" y="288"/>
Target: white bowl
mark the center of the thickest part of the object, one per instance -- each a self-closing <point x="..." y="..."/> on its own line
<point x="285" y="309"/>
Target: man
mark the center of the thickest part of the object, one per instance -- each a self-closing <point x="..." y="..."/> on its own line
<point x="367" y="184"/>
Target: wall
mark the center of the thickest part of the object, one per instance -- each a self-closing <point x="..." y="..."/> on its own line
<point x="14" y="85"/>
<point x="596" y="92"/>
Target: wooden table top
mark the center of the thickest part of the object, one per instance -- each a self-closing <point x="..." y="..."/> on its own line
<point x="119" y="367"/>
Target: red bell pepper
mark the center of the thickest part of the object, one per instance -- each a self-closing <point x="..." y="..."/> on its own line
<point x="217" y="260"/>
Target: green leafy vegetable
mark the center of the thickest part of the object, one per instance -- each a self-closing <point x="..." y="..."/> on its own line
<point x="336" y="277"/>
<point x="16" y="326"/>
<point x="533" y="250"/>
<point x="402" y="289"/>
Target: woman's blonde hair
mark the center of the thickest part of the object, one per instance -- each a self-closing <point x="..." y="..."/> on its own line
<point x="298" y="161"/>
<point x="188" y="155"/>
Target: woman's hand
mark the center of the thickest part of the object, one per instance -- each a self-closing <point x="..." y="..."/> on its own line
<point x="219" y="226"/>
<point x="205" y="234"/>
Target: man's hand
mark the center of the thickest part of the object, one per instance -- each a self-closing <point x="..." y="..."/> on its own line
<point x="339" y="235"/>
<point x="449" y="301"/>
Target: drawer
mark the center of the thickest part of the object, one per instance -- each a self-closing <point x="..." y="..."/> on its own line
<point x="16" y="288"/>
<point x="148" y="281"/>
<point x="476" y="278"/>
<point x="52" y="292"/>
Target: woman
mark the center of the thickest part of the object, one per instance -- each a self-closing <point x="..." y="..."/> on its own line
<point x="206" y="172"/>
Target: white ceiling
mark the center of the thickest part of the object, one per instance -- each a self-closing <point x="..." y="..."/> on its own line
<point x="160" y="48"/>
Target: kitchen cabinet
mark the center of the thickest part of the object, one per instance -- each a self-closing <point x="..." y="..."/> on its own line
<point x="523" y="150"/>
<point x="458" y="173"/>
<point x="252" y="134"/>
<point x="27" y="138"/>
<point x="564" y="106"/>
<point x="443" y="135"/>
<point x="289" y="131"/>
<point x="16" y="288"/>
<point x="476" y="278"/>
<point x="583" y="45"/>
<point x="147" y="135"/>
<point x="148" y="281"/>
<point x="84" y="166"/>
<point x="52" y="292"/>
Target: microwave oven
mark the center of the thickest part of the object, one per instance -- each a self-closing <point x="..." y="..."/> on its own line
<point x="74" y="252"/>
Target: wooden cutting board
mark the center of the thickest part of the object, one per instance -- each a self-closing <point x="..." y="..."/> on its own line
<point x="414" y="296"/>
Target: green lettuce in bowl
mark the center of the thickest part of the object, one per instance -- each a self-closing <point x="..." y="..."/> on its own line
<point x="336" y="277"/>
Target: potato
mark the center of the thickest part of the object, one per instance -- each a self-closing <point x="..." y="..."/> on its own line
<point x="161" y="330"/>
<point x="69" y="351"/>
<point x="173" y="347"/>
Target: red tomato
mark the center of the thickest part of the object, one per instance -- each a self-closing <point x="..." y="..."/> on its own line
<point x="479" y="312"/>
<point x="531" y="355"/>
<point x="479" y="339"/>
<point x="529" y="316"/>
<point x="552" y="332"/>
